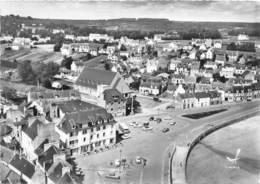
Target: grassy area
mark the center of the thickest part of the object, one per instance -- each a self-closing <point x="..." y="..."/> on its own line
<point x="203" y="114"/>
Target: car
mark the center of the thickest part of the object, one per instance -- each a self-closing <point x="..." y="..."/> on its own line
<point x="156" y="99"/>
<point x="170" y="107"/>
<point x="159" y="120"/>
<point x="117" y="162"/>
<point x="147" y="128"/>
<point x="151" y="118"/>
<point x="164" y="130"/>
<point x="132" y="123"/>
<point x="138" y="159"/>
<point x="113" y="175"/>
<point x="173" y="123"/>
<point x="126" y="136"/>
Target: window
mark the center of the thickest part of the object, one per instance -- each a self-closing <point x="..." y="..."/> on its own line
<point x="104" y="134"/>
<point x="97" y="135"/>
<point x="111" y="141"/>
<point x="91" y="137"/>
<point x="91" y="129"/>
<point x="84" y="139"/>
<point x="98" y="128"/>
<point x="104" y="127"/>
<point x="85" y="131"/>
<point x="111" y="109"/>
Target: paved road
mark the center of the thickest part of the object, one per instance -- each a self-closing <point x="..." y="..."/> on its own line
<point x="154" y="145"/>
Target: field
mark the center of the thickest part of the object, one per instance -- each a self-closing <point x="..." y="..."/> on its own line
<point x="35" y="55"/>
<point x="208" y="164"/>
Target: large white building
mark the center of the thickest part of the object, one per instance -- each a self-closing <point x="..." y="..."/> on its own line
<point x="152" y="65"/>
<point x="83" y="127"/>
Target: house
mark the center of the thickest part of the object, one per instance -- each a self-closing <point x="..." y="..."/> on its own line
<point x="69" y="37"/>
<point x="249" y="75"/>
<point x="194" y="68"/>
<point x="152" y="65"/>
<point x="210" y="65"/>
<point x="77" y="66"/>
<point x="83" y="127"/>
<point x="92" y="83"/>
<point x="202" y="99"/>
<point x="210" y="54"/>
<point x="177" y="79"/>
<point x="185" y="101"/>
<point x="182" y="68"/>
<point x="173" y="64"/>
<point x="227" y="71"/>
<point x="151" y="87"/>
<point x="239" y="70"/>
<point x="33" y="134"/>
<point x="59" y="171"/>
<point x="99" y="37"/>
<point x="22" y="167"/>
<point x="220" y="59"/>
<point x="66" y="50"/>
<point x="215" y="97"/>
<point x="114" y="102"/>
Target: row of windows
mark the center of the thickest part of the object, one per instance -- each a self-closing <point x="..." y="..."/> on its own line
<point x="85" y="131"/>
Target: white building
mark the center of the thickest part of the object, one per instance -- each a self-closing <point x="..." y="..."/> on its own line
<point x="152" y="65"/>
<point x="242" y="37"/>
<point x="227" y="72"/>
<point x="83" y="127"/>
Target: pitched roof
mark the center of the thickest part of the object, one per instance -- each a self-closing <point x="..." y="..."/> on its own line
<point x="47" y="156"/>
<point x="201" y="95"/>
<point x="23" y="165"/>
<point x="66" y="179"/>
<point x="111" y="95"/>
<point x="91" y="77"/>
<point x="75" y="106"/>
<point x="187" y="95"/>
<point x="32" y="131"/>
<point x="55" y="171"/>
<point x="75" y="121"/>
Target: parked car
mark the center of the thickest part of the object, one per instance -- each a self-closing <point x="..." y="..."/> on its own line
<point x="147" y="128"/>
<point x="156" y="99"/>
<point x="126" y="136"/>
<point x="117" y="162"/>
<point x="151" y="118"/>
<point x="113" y="175"/>
<point x="138" y="159"/>
<point x="164" y="130"/>
<point x="159" y="120"/>
<point x="170" y="107"/>
<point x="173" y="123"/>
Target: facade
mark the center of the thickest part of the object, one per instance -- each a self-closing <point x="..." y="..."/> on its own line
<point x="93" y="82"/>
<point x="114" y="102"/>
<point x="152" y="65"/>
<point x="83" y="127"/>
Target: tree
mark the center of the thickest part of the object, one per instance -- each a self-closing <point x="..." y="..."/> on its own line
<point x="9" y="93"/>
<point x="107" y="66"/>
<point x="123" y="48"/>
<point x="66" y="62"/>
<point x="57" y="47"/>
<point x="25" y="71"/>
<point x="136" y="105"/>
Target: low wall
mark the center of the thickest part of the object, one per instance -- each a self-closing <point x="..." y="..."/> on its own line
<point x="205" y="133"/>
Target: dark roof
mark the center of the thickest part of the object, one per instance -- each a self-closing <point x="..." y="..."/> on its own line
<point x="202" y="95"/>
<point x="5" y="130"/>
<point x="47" y="156"/>
<point x="47" y="94"/>
<point x="40" y="148"/>
<point x="91" y="77"/>
<point x="66" y="179"/>
<point x="75" y="106"/>
<point x="32" y="131"/>
<point x="56" y="173"/>
<point x="214" y="94"/>
<point x="111" y="95"/>
<point x="23" y="165"/>
<point x="75" y="121"/>
<point x="187" y="95"/>
<point x="8" y="64"/>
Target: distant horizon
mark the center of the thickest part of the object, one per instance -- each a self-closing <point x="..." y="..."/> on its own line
<point x="130" y="18"/>
<point x="186" y="11"/>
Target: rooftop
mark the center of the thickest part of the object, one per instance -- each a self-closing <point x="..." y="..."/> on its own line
<point x="23" y="165"/>
<point x="91" y="77"/>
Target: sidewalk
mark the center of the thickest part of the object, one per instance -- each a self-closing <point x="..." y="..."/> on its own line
<point x="178" y="165"/>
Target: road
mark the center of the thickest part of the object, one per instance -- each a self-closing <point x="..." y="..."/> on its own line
<point x="154" y="145"/>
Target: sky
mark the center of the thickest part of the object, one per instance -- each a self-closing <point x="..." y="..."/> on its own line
<point x="224" y="11"/>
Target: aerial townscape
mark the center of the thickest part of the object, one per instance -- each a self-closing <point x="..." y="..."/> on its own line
<point x="129" y="100"/>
